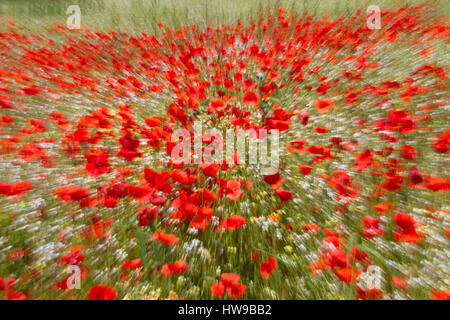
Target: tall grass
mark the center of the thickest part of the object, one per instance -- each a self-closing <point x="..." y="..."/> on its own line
<point x="143" y="15"/>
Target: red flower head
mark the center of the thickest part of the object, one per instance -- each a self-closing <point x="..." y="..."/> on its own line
<point x="414" y="176"/>
<point x="284" y="195"/>
<point x="442" y="144"/>
<point x="97" y="164"/>
<point x="440" y="295"/>
<point x="229" y="279"/>
<point x="101" y="292"/>
<point x="210" y="169"/>
<point x="371" y="225"/>
<point x="237" y="290"/>
<point x="406" y="231"/>
<point x="15" y="189"/>
<point x="230" y="282"/>
<point x="383" y="207"/>
<point x="348" y="274"/>
<point x="165" y="238"/>
<point x="72" y="192"/>
<point x="267" y="267"/>
<point x="275" y="180"/>
<point x="363" y="160"/>
<point x="216" y="104"/>
<point x="304" y="170"/>
<point x="233" y="222"/>
<point x="250" y="98"/>
<point x="217" y="289"/>
<point x="324" y="105"/>
<point x="174" y="268"/>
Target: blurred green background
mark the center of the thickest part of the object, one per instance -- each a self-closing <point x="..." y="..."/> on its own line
<point x="142" y="15"/>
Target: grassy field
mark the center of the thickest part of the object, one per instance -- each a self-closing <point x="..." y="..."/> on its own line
<point x="135" y="15"/>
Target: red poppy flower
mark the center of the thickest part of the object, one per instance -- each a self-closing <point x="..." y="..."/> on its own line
<point x="304" y="169"/>
<point x="348" y="274"/>
<point x="311" y="228"/>
<point x="406" y="230"/>
<point x="250" y="98"/>
<point x="97" y="164"/>
<point x="174" y="268"/>
<point x="236" y="290"/>
<point x="336" y="258"/>
<point x="216" y="104"/>
<point x="363" y="160"/>
<point x="102" y="292"/>
<point x="229" y="279"/>
<point x="73" y="258"/>
<point x="217" y="289"/>
<point x="132" y="264"/>
<point x="267" y="267"/>
<point x="166" y="238"/>
<point x="230" y="282"/>
<point x="383" y="207"/>
<point x="409" y="153"/>
<point x="284" y="195"/>
<point x="110" y="202"/>
<point x="399" y="283"/>
<point x="440" y="294"/>
<point x="128" y="155"/>
<point x="31" y="91"/>
<point x="323" y="105"/>
<point x="369" y="293"/>
<point x="17" y="295"/>
<point x="146" y="214"/>
<point x="321" y="130"/>
<point x="436" y="184"/>
<point x="281" y="125"/>
<point x="72" y="192"/>
<point x="14" y="189"/>
<point x="447" y="233"/>
<point x="199" y="222"/>
<point x="210" y="169"/>
<point x="208" y="195"/>
<point x="275" y="180"/>
<point x="233" y="222"/>
<point x="304" y="117"/>
<point x="442" y="144"/>
<point x="414" y="176"/>
<point x="371" y="225"/>
<point x="5" y="102"/>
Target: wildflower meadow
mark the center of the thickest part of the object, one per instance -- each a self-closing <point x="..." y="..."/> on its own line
<point x="262" y="150"/>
